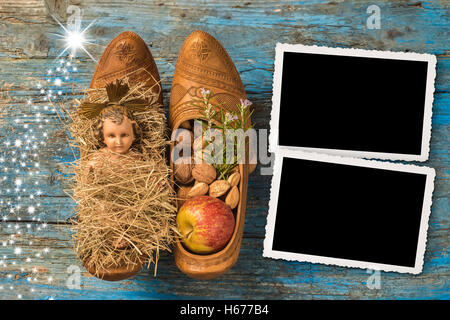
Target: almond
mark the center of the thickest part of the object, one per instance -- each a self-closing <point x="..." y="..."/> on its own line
<point x="182" y="195"/>
<point x="218" y="188"/>
<point x="182" y="171"/>
<point x="232" y="198"/>
<point x="198" y="189"/>
<point x="204" y="172"/>
<point x="234" y="179"/>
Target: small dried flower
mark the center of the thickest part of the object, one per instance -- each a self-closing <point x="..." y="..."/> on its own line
<point x="205" y="93"/>
<point x="226" y="120"/>
<point x="245" y="103"/>
<point x="230" y="117"/>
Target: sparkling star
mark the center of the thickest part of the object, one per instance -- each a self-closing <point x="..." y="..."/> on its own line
<point x="74" y="39"/>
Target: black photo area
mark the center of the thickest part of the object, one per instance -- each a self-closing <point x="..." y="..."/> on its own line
<point x="349" y="212"/>
<point x="352" y="103"/>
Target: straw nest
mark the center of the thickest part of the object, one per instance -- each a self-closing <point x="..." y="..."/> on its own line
<point x="126" y="209"/>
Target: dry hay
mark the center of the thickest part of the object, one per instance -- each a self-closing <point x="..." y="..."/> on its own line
<point x="124" y="202"/>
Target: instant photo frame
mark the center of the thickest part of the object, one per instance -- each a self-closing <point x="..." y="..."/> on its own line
<point x="352" y="102"/>
<point x="348" y="212"/>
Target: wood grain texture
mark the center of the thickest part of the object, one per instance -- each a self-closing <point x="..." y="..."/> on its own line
<point x="249" y="32"/>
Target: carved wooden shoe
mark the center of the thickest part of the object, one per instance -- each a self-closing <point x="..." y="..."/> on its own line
<point x="204" y="63"/>
<point x="126" y="55"/>
<point x="115" y="274"/>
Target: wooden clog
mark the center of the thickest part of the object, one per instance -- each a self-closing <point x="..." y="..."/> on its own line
<point x="204" y="63"/>
<point x="115" y="274"/>
<point x="126" y="55"/>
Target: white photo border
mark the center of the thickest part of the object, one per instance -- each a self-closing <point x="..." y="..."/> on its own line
<point x="281" y="48"/>
<point x="268" y="252"/>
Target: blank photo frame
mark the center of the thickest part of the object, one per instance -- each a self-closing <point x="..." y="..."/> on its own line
<point x="352" y="102"/>
<point x="348" y="212"/>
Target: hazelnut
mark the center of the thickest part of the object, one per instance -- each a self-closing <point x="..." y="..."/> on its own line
<point x="182" y="195"/>
<point x="204" y="172"/>
<point x="183" y="136"/>
<point x="182" y="171"/>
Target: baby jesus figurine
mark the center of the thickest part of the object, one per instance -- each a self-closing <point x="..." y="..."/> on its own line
<point x="116" y="131"/>
<point x="125" y="202"/>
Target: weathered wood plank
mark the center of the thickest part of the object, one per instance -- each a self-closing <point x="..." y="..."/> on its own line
<point x="253" y="277"/>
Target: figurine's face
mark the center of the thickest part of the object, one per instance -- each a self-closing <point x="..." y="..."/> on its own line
<point x="118" y="137"/>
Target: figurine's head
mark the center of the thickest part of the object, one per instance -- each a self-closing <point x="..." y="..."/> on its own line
<point x="117" y="129"/>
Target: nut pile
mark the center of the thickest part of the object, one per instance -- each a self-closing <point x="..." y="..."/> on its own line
<point x="197" y="178"/>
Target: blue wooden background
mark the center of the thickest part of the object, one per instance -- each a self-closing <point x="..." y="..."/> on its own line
<point x="249" y="32"/>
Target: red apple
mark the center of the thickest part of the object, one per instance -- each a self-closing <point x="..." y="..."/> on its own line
<point x="206" y="224"/>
